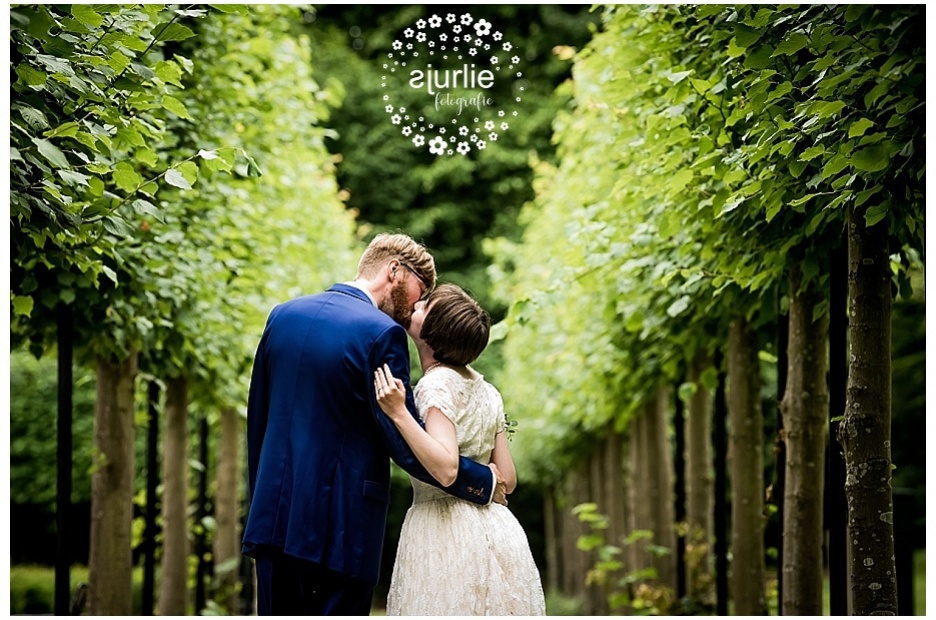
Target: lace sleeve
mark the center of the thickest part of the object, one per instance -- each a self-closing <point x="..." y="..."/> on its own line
<point x="432" y="391"/>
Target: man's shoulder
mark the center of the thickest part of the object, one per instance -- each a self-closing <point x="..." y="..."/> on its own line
<point x="341" y="305"/>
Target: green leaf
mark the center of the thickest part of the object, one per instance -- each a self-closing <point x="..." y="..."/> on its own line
<point x="168" y="71"/>
<point x="241" y="9"/>
<point x="148" y="208"/>
<point x="679" y="306"/>
<point x="23" y="305"/>
<point x="797" y="167"/>
<point x="801" y="201"/>
<point x="175" y="106"/>
<point x="772" y="210"/>
<point x="117" y="226"/>
<point x="793" y="43"/>
<point x="67" y="295"/>
<point x="253" y="170"/>
<point x="812" y="153"/>
<point x="126" y="178"/>
<point x="862" y="197"/>
<point x="734" y="50"/>
<point x="146" y="156"/>
<point x="32" y="78"/>
<point x="875" y="214"/>
<point x="678" y="77"/>
<point x="826" y="109"/>
<point x="110" y="273"/>
<point x="86" y="15"/>
<point x="118" y="61"/>
<point x="51" y="153"/>
<point x="74" y="178"/>
<point x="834" y="166"/>
<point x="746" y="36"/>
<point x="825" y="62"/>
<point x="189" y="170"/>
<point x="855" y="11"/>
<point x="175" y="178"/>
<point x="780" y="91"/>
<point x="859" y="127"/>
<point x="759" y="58"/>
<point x="172" y="31"/>
<point x="871" y="159"/>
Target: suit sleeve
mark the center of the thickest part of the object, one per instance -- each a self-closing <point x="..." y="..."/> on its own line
<point x="258" y="410"/>
<point x="475" y="482"/>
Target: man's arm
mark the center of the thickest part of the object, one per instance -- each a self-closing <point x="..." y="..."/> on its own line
<point x="475" y="482"/>
<point x="258" y="410"/>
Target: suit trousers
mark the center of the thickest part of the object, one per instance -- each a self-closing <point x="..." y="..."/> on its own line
<point x="288" y="586"/>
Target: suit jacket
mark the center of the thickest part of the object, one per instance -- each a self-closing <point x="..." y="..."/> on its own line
<point x="318" y="445"/>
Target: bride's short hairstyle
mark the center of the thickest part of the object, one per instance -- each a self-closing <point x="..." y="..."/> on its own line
<point x="387" y="246"/>
<point x="456" y="327"/>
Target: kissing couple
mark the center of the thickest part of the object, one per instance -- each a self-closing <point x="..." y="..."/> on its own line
<point x="330" y="404"/>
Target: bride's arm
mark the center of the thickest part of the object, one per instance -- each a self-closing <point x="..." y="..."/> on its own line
<point x="501" y="457"/>
<point x="436" y="448"/>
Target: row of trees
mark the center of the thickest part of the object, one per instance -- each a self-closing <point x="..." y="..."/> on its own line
<point x="143" y="237"/>
<point x="739" y="149"/>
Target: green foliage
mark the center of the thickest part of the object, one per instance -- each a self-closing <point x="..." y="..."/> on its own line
<point x="87" y="110"/>
<point x="732" y="140"/>
<point x="449" y="203"/>
<point x="137" y="193"/>
<point x="32" y="588"/>
<point x="33" y="415"/>
<point x="241" y="244"/>
<point x="634" y="590"/>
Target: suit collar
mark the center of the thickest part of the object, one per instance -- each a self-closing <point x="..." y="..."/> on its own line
<point x="349" y="288"/>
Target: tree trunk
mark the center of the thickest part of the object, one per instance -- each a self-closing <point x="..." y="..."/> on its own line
<point x="651" y="500"/>
<point x="227" y="537"/>
<point x="63" y="457"/>
<point x="699" y="483"/>
<point x="110" y="560"/>
<point x="615" y="488"/>
<point x="551" y="525"/>
<point x="746" y="467"/>
<point x="152" y="501"/>
<point x="660" y="465"/>
<point x="173" y="583"/>
<point x="598" y="592"/>
<point x="865" y="431"/>
<point x="641" y="517"/>
<point x="804" y="406"/>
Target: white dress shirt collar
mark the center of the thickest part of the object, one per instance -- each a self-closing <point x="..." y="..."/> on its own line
<point x="366" y="292"/>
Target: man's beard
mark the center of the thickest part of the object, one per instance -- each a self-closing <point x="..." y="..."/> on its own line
<point x="398" y="307"/>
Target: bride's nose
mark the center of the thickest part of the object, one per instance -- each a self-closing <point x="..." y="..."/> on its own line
<point x="420" y="306"/>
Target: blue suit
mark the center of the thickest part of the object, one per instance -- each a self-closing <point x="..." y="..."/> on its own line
<point x="318" y="445"/>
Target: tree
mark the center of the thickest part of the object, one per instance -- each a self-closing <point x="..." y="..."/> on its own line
<point x="722" y="130"/>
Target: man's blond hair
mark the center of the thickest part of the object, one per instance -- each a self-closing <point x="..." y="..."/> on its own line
<point x="386" y="247"/>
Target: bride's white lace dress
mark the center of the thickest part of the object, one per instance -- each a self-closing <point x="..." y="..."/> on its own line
<point x="455" y="557"/>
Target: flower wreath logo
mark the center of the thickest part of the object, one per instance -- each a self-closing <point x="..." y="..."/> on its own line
<point x="481" y="54"/>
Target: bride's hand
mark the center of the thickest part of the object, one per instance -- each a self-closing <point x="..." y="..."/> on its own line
<point x="391" y="394"/>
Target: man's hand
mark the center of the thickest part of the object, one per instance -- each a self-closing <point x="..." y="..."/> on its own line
<point x="500" y="491"/>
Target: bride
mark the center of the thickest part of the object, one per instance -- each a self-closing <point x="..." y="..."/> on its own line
<point x="456" y="558"/>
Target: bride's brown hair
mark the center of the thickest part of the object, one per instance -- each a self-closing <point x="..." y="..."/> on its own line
<point x="456" y="327"/>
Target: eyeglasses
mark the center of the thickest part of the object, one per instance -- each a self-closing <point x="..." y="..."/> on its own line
<point x="425" y="284"/>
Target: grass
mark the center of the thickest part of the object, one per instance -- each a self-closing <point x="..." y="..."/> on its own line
<point x="32" y="590"/>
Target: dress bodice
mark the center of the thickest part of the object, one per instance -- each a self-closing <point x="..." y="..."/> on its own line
<point x="473" y="405"/>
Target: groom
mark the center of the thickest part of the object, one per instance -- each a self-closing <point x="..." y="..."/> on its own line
<point x="318" y="444"/>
